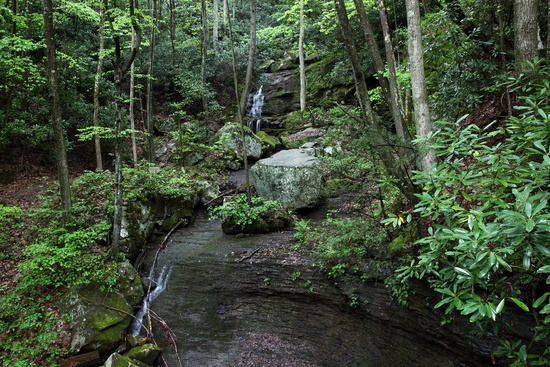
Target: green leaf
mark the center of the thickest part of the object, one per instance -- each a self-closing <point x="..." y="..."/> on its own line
<point x="544" y="269"/>
<point x="520" y="304"/>
<point x="443" y="302"/>
<point x="540" y="300"/>
<point x="529" y="225"/>
<point x="543" y="250"/>
<point x="463" y="271"/>
<point x="500" y="306"/>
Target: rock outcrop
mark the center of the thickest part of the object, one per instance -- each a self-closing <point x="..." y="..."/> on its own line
<point x="291" y="177"/>
<point x="230" y="138"/>
<point x="99" y="319"/>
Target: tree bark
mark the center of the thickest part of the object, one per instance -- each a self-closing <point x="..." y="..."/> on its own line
<point x="251" y="57"/>
<point x="525" y="32"/>
<point x="215" y="25"/>
<point x="131" y="110"/>
<point x="204" y="55"/>
<point x="59" y="136"/>
<point x="149" y="94"/>
<point x="418" y="82"/>
<point x="302" y="59"/>
<point x="99" y="71"/>
<point x="359" y="77"/>
<point x="395" y="106"/>
<point x="120" y="69"/>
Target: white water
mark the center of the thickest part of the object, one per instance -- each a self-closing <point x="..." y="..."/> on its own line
<point x="159" y="284"/>
<point x="255" y="123"/>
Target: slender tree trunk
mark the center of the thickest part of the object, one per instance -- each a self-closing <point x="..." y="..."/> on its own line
<point x="239" y="111"/>
<point x="251" y="57"/>
<point x="418" y="81"/>
<point x="59" y="136"/>
<point x="204" y="54"/>
<point x="215" y="25"/>
<point x="359" y="77"/>
<point x="131" y="109"/>
<point x="99" y="71"/>
<point x="149" y="95"/>
<point x="302" y="59"/>
<point x="525" y="32"/>
<point x="120" y="69"/>
<point x="172" y="10"/>
<point x="392" y="73"/>
<point x="373" y="48"/>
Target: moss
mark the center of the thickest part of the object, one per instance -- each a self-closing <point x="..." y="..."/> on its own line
<point x="269" y="143"/>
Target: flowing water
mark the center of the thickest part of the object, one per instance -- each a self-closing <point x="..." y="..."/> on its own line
<point x="255" y="113"/>
<point x="254" y="301"/>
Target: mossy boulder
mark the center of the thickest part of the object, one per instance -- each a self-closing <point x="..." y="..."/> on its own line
<point x="230" y="138"/>
<point x="269" y="143"/>
<point x="146" y="353"/>
<point x="118" y="360"/>
<point x="296" y="140"/>
<point x="97" y="320"/>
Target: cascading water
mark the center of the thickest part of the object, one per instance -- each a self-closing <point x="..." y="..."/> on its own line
<point x="159" y="284"/>
<point x="255" y="113"/>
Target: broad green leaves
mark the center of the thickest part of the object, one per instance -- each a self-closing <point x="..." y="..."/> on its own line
<point x="488" y="244"/>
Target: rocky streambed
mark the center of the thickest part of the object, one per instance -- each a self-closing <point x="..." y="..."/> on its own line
<point x="255" y="301"/>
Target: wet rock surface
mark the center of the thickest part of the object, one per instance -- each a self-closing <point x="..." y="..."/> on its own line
<point x="254" y="301"/>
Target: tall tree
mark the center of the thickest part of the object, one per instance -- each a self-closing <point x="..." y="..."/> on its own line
<point x="358" y="75"/>
<point x="121" y="67"/>
<point x="525" y="32"/>
<point x="302" y="58"/>
<point x="422" y="116"/>
<point x="131" y="109"/>
<point x="251" y="57"/>
<point x="59" y="136"/>
<point x="215" y="25"/>
<point x="395" y="106"/>
<point x="149" y="95"/>
<point x="99" y="71"/>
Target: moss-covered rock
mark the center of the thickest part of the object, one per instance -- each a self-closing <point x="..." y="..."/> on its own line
<point x="97" y="320"/>
<point x="269" y="143"/>
<point x="117" y="360"/>
<point x="146" y="353"/>
<point x="296" y="140"/>
<point x="230" y="138"/>
<point x="130" y="284"/>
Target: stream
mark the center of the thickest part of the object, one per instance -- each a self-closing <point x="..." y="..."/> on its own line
<point x="255" y="301"/>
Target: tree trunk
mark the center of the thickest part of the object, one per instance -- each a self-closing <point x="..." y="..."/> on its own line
<point x="120" y="70"/>
<point x="59" y="136"/>
<point x="302" y="60"/>
<point x="359" y="77"/>
<point x="215" y="25"/>
<point x="525" y="32"/>
<point x="131" y="110"/>
<point x="395" y="106"/>
<point x="204" y="54"/>
<point x="99" y="71"/>
<point x="149" y="95"/>
<point x="239" y="111"/>
<point x="251" y="57"/>
<point x="418" y="82"/>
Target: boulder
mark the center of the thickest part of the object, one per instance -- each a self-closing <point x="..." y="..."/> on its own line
<point x="230" y="139"/>
<point x="146" y="353"/>
<point x="117" y="360"/>
<point x="291" y="177"/>
<point x="98" y="319"/>
<point x="269" y="143"/>
<point x="282" y="93"/>
<point x="145" y="215"/>
<point x="300" y="138"/>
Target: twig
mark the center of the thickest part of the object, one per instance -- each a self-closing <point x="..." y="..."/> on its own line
<point x="171" y="336"/>
<point x="221" y="195"/>
<point x="249" y="256"/>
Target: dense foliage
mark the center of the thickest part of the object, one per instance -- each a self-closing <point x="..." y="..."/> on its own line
<point x="486" y="202"/>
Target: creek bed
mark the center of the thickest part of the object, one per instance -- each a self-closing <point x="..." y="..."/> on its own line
<point x="254" y="301"/>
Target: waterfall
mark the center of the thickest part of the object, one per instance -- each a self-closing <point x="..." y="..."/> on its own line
<point x="255" y="113"/>
<point x="159" y="284"/>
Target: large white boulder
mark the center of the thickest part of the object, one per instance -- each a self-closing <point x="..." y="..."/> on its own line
<point x="291" y="177"/>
